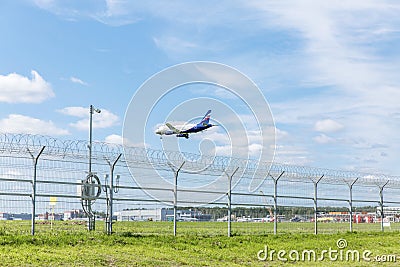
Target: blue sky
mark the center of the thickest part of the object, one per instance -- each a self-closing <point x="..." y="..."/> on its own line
<point x="329" y="69"/>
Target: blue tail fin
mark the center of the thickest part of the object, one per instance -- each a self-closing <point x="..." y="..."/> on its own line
<point x="206" y="118"/>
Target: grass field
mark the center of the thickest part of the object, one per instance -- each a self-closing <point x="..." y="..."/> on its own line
<point x="197" y="244"/>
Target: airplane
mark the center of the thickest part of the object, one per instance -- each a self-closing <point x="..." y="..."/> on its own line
<point x="185" y="130"/>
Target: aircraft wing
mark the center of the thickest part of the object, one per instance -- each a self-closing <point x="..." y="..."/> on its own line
<point x="172" y="128"/>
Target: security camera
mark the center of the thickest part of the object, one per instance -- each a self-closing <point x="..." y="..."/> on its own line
<point x="94" y="109"/>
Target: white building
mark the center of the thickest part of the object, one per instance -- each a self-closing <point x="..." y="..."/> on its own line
<point x="140" y="215"/>
<point x="392" y="214"/>
<point x="162" y="214"/>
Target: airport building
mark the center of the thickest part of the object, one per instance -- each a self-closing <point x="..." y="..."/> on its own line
<point x="15" y="216"/>
<point x="162" y="214"/>
<point x="73" y="214"/>
<point x="392" y="214"/>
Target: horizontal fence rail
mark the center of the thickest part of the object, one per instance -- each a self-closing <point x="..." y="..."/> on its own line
<point x="42" y="179"/>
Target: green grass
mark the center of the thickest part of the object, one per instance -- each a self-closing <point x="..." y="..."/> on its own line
<point x="197" y="244"/>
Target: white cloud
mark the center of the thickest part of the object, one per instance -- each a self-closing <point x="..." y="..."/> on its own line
<point x="238" y="143"/>
<point x="280" y="134"/>
<point x="16" y="123"/>
<point x="15" y="88"/>
<point x="44" y="3"/>
<point x="328" y="126"/>
<point x="119" y="140"/>
<point x="78" y="81"/>
<point x="182" y="12"/>
<point x="323" y="139"/>
<point x="337" y="40"/>
<point x="80" y="112"/>
<point x="341" y="59"/>
<point x="110" y="12"/>
<point x="214" y="90"/>
<point x="174" y="44"/>
<point x="114" y="139"/>
<point x="116" y="8"/>
<point x="104" y="119"/>
<point x="292" y="154"/>
<point x="213" y="134"/>
<point x="224" y="150"/>
<point x="255" y="149"/>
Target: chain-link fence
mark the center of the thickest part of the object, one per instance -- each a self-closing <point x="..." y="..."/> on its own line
<point x="45" y="185"/>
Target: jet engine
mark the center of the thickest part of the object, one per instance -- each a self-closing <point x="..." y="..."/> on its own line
<point x="183" y="135"/>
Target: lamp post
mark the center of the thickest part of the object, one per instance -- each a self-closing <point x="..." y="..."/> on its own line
<point x="91" y="178"/>
<point x="92" y="110"/>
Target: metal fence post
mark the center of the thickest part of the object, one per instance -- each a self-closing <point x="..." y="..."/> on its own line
<point x="176" y="173"/>
<point x="230" y="200"/>
<point x="316" y="204"/>
<point x="110" y="196"/>
<point x="276" y="201"/>
<point x="88" y="203"/>
<point x="381" y="202"/>
<point x="351" y="202"/>
<point x="33" y="197"/>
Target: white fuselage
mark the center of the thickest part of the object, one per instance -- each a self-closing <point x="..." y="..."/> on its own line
<point x="164" y="130"/>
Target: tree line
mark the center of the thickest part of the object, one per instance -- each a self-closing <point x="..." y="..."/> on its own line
<point x="287" y="212"/>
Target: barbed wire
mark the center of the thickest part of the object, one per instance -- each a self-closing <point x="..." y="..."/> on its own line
<point x="194" y="163"/>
